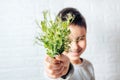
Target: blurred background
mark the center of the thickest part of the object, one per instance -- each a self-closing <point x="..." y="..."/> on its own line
<point x="21" y="59"/>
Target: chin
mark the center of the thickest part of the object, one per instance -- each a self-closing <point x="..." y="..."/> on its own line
<point x="75" y="58"/>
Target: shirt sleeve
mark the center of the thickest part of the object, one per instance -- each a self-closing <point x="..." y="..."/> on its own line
<point x="93" y="74"/>
<point x="91" y="69"/>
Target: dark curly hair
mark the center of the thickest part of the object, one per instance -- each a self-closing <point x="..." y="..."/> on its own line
<point x="78" y="18"/>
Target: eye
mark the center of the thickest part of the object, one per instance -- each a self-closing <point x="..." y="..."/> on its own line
<point x="80" y="38"/>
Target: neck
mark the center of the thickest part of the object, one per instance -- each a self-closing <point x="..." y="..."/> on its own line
<point x="78" y="61"/>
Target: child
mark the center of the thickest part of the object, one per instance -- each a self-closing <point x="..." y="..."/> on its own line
<point x="70" y="66"/>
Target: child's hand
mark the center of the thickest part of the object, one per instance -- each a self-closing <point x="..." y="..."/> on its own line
<point x="57" y="67"/>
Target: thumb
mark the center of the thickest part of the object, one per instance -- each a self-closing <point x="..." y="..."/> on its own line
<point x="61" y="57"/>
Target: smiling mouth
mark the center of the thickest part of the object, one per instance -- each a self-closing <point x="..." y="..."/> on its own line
<point x="75" y="53"/>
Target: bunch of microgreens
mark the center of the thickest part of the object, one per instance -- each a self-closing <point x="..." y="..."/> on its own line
<point x="55" y="34"/>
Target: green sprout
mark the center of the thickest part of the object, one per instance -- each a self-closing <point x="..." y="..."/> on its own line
<point x="55" y="34"/>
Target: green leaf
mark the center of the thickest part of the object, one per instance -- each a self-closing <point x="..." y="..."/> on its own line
<point x="56" y="34"/>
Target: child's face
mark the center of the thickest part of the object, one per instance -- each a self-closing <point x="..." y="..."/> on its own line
<point x="78" y="41"/>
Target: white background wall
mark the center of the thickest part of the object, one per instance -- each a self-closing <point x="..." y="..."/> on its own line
<point x="20" y="59"/>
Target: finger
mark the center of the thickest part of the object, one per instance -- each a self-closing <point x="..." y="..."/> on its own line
<point x="56" y="71"/>
<point x="56" y="74"/>
<point x="60" y="57"/>
<point x="51" y="60"/>
<point x="63" y="58"/>
<point x="53" y="66"/>
<point x="65" y="53"/>
<point x="65" y="71"/>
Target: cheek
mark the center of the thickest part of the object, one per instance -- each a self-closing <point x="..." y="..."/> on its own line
<point x="82" y="44"/>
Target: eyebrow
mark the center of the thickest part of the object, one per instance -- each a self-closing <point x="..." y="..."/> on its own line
<point x="78" y="38"/>
<point x="82" y="36"/>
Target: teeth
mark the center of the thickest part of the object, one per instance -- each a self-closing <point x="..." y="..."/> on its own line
<point x="75" y="51"/>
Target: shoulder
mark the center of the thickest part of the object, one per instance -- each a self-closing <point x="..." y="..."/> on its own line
<point x="86" y="62"/>
<point x="88" y="66"/>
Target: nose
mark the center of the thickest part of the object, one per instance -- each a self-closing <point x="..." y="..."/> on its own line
<point x="74" y="46"/>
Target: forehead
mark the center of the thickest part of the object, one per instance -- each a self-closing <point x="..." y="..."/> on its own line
<point x="77" y="30"/>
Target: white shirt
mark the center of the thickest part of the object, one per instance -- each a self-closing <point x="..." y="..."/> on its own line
<point x="83" y="71"/>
